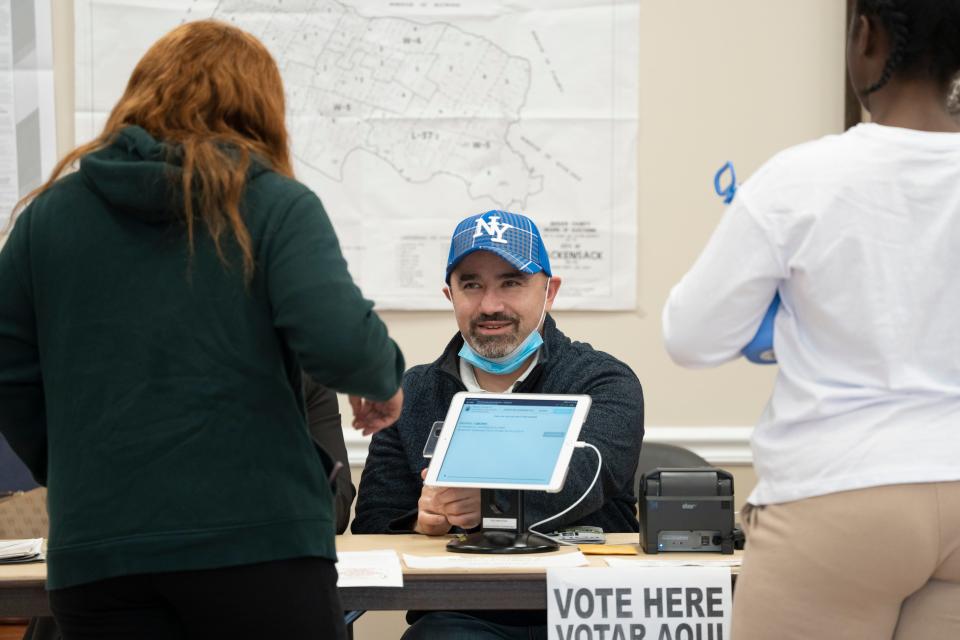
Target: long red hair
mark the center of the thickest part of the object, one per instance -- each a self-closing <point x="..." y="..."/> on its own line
<point x="214" y="94"/>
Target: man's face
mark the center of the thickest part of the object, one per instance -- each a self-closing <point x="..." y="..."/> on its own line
<point x="496" y="305"/>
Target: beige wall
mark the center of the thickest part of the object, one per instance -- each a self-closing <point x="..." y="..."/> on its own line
<point x="735" y="80"/>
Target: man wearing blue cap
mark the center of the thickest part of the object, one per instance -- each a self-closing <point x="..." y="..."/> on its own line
<point x="501" y="286"/>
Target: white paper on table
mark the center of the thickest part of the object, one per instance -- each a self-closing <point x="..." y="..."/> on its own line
<point x="20" y="550"/>
<point x="538" y="561"/>
<point x="677" y="562"/>
<point x="380" y="568"/>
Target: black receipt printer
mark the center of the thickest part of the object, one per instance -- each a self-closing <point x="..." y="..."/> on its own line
<point x="688" y="509"/>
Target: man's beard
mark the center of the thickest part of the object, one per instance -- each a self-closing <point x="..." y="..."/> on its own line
<point x="495" y="346"/>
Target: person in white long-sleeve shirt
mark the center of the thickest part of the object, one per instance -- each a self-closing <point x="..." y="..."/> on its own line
<point x="854" y="526"/>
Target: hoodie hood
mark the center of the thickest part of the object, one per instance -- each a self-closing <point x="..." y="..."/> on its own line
<point x="140" y="175"/>
<point x="136" y="174"/>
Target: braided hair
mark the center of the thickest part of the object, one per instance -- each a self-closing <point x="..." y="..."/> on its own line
<point x="924" y="37"/>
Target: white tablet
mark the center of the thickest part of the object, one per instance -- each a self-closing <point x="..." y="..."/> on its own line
<point x="508" y="441"/>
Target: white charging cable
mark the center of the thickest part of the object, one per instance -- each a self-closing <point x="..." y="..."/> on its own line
<point x="532" y="528"/>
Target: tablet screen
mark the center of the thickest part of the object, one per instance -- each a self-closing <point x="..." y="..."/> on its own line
<point x="507" y="441"/>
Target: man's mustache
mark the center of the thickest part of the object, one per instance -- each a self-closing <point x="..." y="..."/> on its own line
<point x="494" y="317"/>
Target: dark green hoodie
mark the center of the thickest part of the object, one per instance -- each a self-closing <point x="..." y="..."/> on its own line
<point x="158" y="396"/>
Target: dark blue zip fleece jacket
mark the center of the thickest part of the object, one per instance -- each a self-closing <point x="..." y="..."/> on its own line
<point x="391" y="484"/>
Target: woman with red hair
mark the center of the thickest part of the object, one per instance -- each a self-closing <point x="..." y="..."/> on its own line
<point x="156" y="308"/>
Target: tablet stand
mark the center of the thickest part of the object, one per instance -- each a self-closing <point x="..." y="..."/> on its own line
<point x="501" y="527"/>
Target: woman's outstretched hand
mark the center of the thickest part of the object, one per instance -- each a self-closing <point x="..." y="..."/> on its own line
<point x="370" y="416"/>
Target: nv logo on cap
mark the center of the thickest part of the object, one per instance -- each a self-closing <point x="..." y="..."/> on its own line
<point x="493" y="227"/>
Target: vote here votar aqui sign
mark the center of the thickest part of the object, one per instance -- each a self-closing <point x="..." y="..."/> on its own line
<point x="642" y="603"/>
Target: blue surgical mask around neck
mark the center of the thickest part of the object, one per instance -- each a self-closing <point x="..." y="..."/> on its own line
<point x="513" y="360"/>
<point x="508" y="363"/>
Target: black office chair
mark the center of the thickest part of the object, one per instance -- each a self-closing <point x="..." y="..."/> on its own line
<point x="14" y="475"/>
<point x="657" y="454"/>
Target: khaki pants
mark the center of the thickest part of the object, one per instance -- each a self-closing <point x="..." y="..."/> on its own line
<point x="871" y="564"/>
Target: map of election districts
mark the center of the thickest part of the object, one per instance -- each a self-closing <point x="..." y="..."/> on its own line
<point x="28" y="143"/>
<point x="407" y="115"/>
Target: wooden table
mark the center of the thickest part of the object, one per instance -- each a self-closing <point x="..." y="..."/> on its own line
<point x="22" y="591"/>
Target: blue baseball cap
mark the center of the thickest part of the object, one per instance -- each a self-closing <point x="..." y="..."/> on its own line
<point x="512" y="236"/>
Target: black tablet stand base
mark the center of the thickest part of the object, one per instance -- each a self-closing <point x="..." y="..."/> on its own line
<point x="501" y="540"/>
<point x="494" y="541"/>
